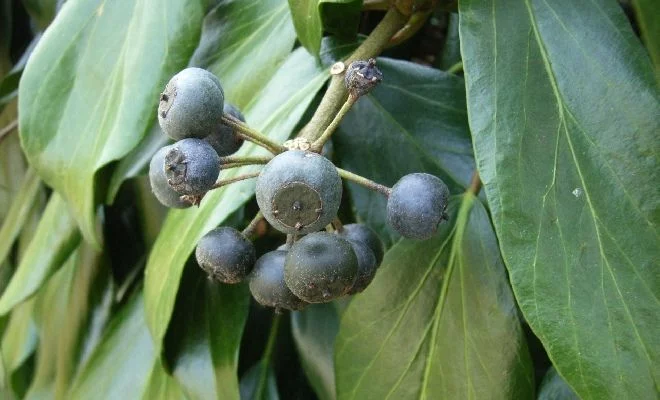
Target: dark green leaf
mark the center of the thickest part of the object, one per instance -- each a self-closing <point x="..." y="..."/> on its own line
<point x="341" y="17"/>
<point x="415" y="121"/>
<point x="42" y="11"/>
<point x="554" y="387"/>
<point x="243" y="43"/>
<point x="451" y="51"/>
<point x="205" y="335"/>
<point x="162" y="386"/>
<point x="12" y="163"/>
<point x="438" y="322"/>
<point x="54" y="241"/>
<point x="564" y="112"/>
<point x="90" y="89"/>
<point x="314" y="330"/>
<point x="19" y="212"/>
<point x="307" y="20"/>
<point x="121" y="364"/>
<point x="648" y="19"/>
<point x="253" y="378"/>
<point x="274" y="112"/>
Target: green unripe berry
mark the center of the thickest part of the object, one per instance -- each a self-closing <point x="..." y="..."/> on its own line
<point x="320" y="267"/>
<point x="417" y="205"/>
<point x="191" y="166"/>
<point x="226" y="255"/>
<point x="299" y="192"/>
<point x="223" y="139"/>
<point x="159" y="186"/>
<point x="267" y="283"/>
<point x="191" y="104"/>
<point x="363" y="233"/>
<point x="367" y="266"/>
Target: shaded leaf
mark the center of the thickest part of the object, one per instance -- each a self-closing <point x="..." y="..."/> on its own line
<point x="415" y="121"/>
<point x="121" y="364"/>
<point x="12" y="163"/>
<point x="42" y="11"/>
<point x="648" y="19"/>
<point x="451" y="50"/>
<point x="19" y="339"/>
<point x="275" y="111"/>
<point x="55" y="239"/>
<point x="439" y="321"/>
<point x="314" y="330"/>
<point x="244" y="43"/>
<point x="205" y="333"/>
<point x="254" y="378"/>
<point x="162" y="386"/>
<point x="90" y="88"/>
<point x="554" y="387"/>
<point x="18" y="212"/>
<point x="565" y="129"/>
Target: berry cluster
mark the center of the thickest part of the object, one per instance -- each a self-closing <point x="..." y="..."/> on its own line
<point x="298" y="192"/>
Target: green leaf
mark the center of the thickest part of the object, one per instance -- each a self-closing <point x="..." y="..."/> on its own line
<point x="42" y="12"/>
<point x="312" y="17"/>
<point x="564" y="112"/>
<point x="415" y="121"/>
<point x="451" y="50"/>
<point x="314" y="330"/>
<point x="554" y="387"/>
<point x="244" y="43"/>
<point x="20" y="337"/>
<point x="162" y="386"/>
<point x="275" y="111"/>
<point x="54" y="241"/>
<point x="12" y="163"/>
<point x="19" y="212"/>
<point x="205" y="335"/>
<point x="648" y="18"/>
<point x="307" y="21"/>
<point x="438" y="322"/>
<point x="90" y="89"/>
<point x="252" y="379"/>
<point x="121" y="364"/>
<point x="341" y="17"/>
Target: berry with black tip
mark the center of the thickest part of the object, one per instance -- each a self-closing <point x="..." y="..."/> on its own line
<point x="223" y="139"/>
<point x="417" y="205"/>
<point x="320" y="267"/>
<point x="367" y="266"/>
<point x="158" y="180"/>
<point x="191" y="166"/>
<point x="191" y="104"/>
<point x="361" y="77"/>
<point x="299" y="192"/>
<point x="226" y="255"/>
<point x="363" y="233"/>
<point x="267" y="283"/>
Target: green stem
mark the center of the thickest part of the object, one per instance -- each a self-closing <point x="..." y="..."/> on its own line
<point x="226" y="182"/>
<point x="244" y="160"/>
<point x="268" y="353"/>
<point x="456" y="68"/>
<point x="247" y="133"/>
<point x="361" y="180"/>
<point x="336" y="94"/>
<point x="318" y="143"/>
<point x="249" y="230"/>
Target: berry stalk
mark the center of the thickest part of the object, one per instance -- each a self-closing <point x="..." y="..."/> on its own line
<point x="245" y="132"/>
<point x="368" y="183"/>
<point x="226" y="182"/>
<point x="249" y="230"/>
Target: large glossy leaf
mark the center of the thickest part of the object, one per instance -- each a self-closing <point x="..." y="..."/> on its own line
<point x="205" y="335"/>
<point x="121" y="364"/>
<point x="54" y="241"/>
<point x="18" y="212"/>
<point x="554" y="387"/>
<point x="438" y="322"/>
<point x="275" y="111"/>
<point x="314" y="330"/>
<point x="89" y="90"/>
<point x="415" y="121"/>
<point x="312" y="17"/>
<point x="243" y="43"/>
<point x="564" y="112"/>
<point x="648" y="18"/>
